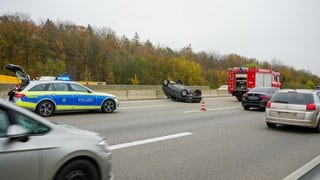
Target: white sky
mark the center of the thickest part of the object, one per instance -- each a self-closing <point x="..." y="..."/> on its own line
<point x="285" y="30"/>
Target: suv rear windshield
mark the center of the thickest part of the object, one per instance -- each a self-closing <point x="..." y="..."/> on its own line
<point x="293" y="98"/>
<point x="264" y="90"/>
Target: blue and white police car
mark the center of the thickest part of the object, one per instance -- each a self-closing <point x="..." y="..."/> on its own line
<point x="46" y="97"/>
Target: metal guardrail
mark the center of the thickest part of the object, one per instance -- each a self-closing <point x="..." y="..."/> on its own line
<point x="124" y="92"/>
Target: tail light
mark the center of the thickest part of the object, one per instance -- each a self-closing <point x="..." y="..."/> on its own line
<point x="265" y="97"/>
<point x="245" y="95"/>
<point x="268" y="104"/>
<point x="19" y="95"/>
<point x="311" y="107"/>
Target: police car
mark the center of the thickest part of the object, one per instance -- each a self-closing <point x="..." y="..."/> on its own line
<point x="46" y="97"/>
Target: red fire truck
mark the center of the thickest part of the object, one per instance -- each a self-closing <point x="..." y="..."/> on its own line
<point x="241" y="80"/>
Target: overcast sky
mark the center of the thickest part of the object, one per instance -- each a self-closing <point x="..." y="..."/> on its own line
<point x="285" y="30"/>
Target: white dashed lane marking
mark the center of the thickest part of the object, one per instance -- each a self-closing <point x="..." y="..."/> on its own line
<point x="140" y="142"/>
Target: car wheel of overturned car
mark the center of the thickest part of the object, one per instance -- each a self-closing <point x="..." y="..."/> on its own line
<point x="108" y="106"/>
<point x="184" y="93"/>
<point x="271" y="125"/>
<point x="165" y="82"/>
<point x="45" y="108"/>
<point x="179" y="81"/>
<point x="197" y="92"/>
<point x="78" y="169"/>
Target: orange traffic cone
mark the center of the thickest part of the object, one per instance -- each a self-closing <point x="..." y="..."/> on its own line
<point x="203" y="106"/>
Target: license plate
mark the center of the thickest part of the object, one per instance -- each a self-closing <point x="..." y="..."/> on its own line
<point x="287" y="114"/>
<point x="254" y="98"/>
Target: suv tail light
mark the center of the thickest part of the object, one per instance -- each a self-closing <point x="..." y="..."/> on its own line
<point x="268" y="104"/>
<point x="19" y="95"/>
<point x="311" y="107"/>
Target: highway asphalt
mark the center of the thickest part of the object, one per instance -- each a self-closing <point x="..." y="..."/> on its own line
<point x="163" y="139"/>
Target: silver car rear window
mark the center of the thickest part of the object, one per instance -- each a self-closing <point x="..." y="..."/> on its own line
<point x="293" y="98"/>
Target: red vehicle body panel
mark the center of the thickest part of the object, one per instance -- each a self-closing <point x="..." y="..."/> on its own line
<point x="241" y="80"/>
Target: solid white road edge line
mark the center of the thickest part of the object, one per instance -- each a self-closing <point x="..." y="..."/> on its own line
<point x="135" y="143"/>
<point x="215" y="109"/>
<point x="304" y="169"/>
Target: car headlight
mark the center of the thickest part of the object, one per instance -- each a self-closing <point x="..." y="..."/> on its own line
<point x="103" y="145"/>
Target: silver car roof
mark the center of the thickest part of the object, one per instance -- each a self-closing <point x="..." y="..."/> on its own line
<point x="298" y="90"/>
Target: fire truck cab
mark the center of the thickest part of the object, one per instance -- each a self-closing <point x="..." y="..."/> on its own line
<point x="241" y="80"/>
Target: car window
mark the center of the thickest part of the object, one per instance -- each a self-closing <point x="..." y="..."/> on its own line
<point x="293" y="98"/>
<point x="33" y="126"/>
<point x="50" y="87"/>
<point x="60" y="87"/>
<point x="272" y="91"/>
<point x="4" y="123"/>
<point x="42" y="87"/>
<point x="264" y="90"/>
<point x="305" y="98"/>
<point x="78" y="88"/>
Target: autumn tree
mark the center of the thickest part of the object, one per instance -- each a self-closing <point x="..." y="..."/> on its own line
<point x="94" y="54"/>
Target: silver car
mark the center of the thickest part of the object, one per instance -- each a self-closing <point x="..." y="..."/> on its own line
<point x="294" y="107"/>
<point x="34" y="148"/>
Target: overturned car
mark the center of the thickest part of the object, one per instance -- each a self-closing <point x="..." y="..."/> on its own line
<point x="179" y="92"/>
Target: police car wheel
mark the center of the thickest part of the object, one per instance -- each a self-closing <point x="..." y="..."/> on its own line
<point x="45" y="108"/>
<point x="108" y="106"/>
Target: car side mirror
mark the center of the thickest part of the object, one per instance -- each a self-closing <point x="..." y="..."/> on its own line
<point x="17" y="133"/>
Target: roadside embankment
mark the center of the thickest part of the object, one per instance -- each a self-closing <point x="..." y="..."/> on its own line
<point x="132" y="92"/>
